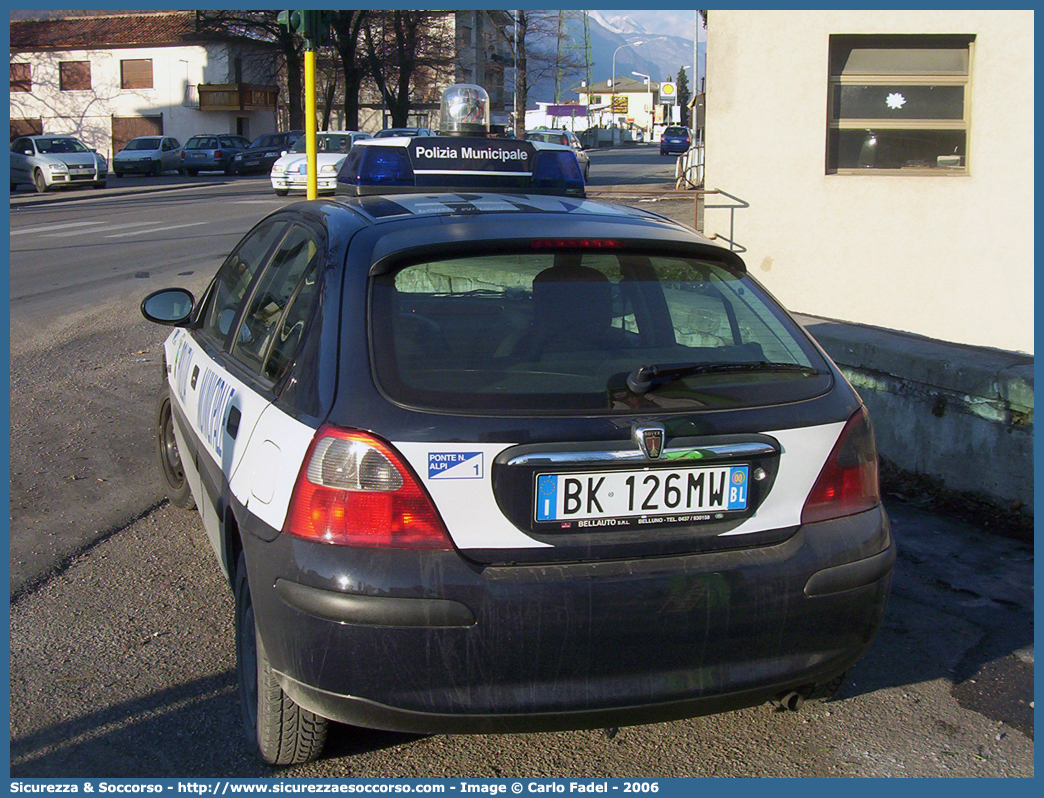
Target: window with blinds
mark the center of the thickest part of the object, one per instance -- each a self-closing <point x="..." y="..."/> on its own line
<point x="74" y="76"/>
<point x="136" y="73"/>
<point x="21" y="77"/>
<point x="898" y="103"/>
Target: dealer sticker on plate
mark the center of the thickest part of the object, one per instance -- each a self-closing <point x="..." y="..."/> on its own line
<point x="625" y="494"/>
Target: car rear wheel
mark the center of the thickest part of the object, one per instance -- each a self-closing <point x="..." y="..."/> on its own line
<point x="192" y="172"/>
<point x="157" y="169"/>
<point x="230" y="170"/>
<point x="177" y="487"/>
<point x="281" y="192"/>
<point x="99" y="184"/>
<point x="39" y="181"/>
<point x="283" y="732"/>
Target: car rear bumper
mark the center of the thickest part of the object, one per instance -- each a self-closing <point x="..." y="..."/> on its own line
<point x="427" y="642"/>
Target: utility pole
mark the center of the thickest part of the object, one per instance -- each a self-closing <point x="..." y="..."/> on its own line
<point x="314" y="26"/>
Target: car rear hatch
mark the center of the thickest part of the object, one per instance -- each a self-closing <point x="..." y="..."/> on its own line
<point x="598" y="398"/>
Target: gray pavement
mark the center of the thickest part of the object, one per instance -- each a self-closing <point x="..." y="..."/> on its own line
<point x="123" y="664"/>
<point x="121" y="644"/>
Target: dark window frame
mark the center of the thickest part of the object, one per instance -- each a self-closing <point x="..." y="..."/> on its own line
<point x="67" y="76"/>
<point x="136" y="79"/>
<point x="24" y="82"/>
<point x="839" y="78"/>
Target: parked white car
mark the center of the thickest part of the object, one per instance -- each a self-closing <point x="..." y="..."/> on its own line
<point x="290" y="173"/>
<point x="55" y="162"/>
<point x="148" y="155"/>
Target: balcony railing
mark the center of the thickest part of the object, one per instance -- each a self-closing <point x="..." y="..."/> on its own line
<point x="236" y="97"/>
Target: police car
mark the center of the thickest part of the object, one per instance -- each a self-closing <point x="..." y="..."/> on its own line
<point x="484" y="461"/>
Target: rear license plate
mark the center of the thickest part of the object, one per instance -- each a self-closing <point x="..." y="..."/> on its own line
<point x="627" y="494"/>
<point x="251" y="163"/>
<point x="197" y="155"/>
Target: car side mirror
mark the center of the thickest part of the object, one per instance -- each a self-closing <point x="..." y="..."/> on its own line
<point x="27" y="152"/>
<point x="169" y="306"/>
<point x="284" y="152"/>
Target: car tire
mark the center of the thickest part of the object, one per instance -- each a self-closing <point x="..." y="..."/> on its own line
<point x="14" y="187"/>
<point x="281" y="192"/>
<point x="39" y="182"/>
<point x="281" y="732"/>
<point x="230" y="170"/>
<point x="99" y="184"/>
<point x="828" y="689"/>
<point x="157" y="169"/>
<point x="171" y="469"/>
<point x="587" y="171"/>
<point x="117" y="174"/>
<point x="192" y="172"/>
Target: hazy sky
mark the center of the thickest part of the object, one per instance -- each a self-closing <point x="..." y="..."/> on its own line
<point x="673" y="22"/>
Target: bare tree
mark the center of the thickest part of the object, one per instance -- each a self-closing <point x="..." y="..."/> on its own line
<point x="407" y="52"/>
<point x="533" y="39"/>
<point x="347" y="29"/>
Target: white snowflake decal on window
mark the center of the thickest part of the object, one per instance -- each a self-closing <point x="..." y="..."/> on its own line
<point x="895" y="101"/>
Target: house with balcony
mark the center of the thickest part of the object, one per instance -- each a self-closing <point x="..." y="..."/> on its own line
<point x="107" y="79"/>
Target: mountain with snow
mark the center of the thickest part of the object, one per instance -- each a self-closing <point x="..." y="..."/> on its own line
<point x="618" y="24"/>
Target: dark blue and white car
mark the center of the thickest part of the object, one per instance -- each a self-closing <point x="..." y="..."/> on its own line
<point x="480" y="461"/>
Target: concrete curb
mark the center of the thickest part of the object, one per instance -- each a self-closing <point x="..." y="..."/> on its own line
<point x="26" y="199"/>
<point x="960" y="414"/>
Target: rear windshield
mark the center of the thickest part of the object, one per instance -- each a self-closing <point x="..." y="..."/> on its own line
<point x="549" y="138"/>
<point x="563" y="331"/>
<point x="201" y="143"/>
<point x="676" y="131"/>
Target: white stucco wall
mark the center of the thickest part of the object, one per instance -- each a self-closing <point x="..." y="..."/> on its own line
<point x="88" y="114"/>
<point x="945" y="256"/>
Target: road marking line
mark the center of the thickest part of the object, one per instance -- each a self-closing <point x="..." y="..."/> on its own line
<point x="104" y="229"/>
<point x="156" y="230"/>
<point x="26" y="230"/>
<point x="254" y="202"/>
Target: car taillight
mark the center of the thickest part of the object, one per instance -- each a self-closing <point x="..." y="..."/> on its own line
<point x="219" y="154"/>
<point x="183" y="155"/>
<point x="848" y="482"/>
<point x="356" y="490"/>
<point x="663" y="138"/>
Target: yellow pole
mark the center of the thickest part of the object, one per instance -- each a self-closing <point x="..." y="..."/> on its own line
<point x="309" y="70"/>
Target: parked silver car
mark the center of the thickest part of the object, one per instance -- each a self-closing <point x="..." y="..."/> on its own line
<point x="567" y="139"/>
<point x="55" y="162"/>
<point x="149" y="155"/>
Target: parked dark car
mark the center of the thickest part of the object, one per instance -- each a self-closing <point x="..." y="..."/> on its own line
<point x="211" y="153"/>
<point x="264" y="151"/>
<point x="392" y="132"/>
<point x="675" y="140"/>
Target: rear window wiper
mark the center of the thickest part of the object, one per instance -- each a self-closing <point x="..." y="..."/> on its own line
<point x="644" y="378"/>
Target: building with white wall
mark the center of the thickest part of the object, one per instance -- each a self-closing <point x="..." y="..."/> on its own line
<point x="630" y="104"/>
<point x="887" y="162"/>
<point x="107" y="79"/>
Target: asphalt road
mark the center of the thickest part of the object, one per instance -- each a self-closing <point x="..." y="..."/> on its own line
<point x="122" y="660"/>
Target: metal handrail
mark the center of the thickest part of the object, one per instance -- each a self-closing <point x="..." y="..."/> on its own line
<point x="733" y="246"/>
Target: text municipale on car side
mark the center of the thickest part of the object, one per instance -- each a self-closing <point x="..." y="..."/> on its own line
<point x="478" y="454"/>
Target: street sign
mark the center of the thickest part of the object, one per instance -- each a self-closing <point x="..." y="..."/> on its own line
<point x="669" y="93"/>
